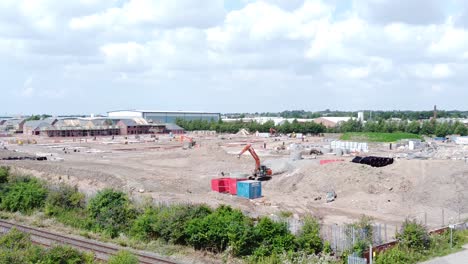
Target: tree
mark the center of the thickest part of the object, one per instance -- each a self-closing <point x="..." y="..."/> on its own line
<point x="442" y="129"/>
<point x="428" y="128"/>
<point x="460" y="129"/>
<point x="413" y="127"/>
<point x="111" y="211"/>
<point x="308" y="238"/>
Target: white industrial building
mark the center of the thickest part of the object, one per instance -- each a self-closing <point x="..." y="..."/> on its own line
<point x="165" y="116"/>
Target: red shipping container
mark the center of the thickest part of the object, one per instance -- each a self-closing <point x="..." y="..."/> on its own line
<point x="220" y="185"/>
<point x="232" y="184"/>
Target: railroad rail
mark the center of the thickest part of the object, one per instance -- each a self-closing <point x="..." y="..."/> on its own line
<point x="101" y="250"/>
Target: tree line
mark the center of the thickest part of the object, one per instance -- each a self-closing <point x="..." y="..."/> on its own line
<point x="368" y="115"/>
<point x="428" y="127"/>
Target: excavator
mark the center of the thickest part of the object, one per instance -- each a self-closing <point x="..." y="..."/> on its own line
<point x="261" y="172"/>
<point x="190" y="141"/>
<point x="273" y="132"/>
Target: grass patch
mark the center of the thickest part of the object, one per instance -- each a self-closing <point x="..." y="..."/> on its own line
<point x="378" y="137"/>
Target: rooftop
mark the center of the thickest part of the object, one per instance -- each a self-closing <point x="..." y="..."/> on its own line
<point x="162" y="111"/>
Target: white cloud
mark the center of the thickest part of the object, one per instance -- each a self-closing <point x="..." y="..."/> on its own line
<point x="304" y="46"/>
<point x="163" y="13"/>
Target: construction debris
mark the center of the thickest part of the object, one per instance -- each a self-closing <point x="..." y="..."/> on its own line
<point x="331" y="196"/>
<point x="373" y="161"/>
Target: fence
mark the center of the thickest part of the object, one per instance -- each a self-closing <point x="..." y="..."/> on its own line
<point x="343" y="237"/>
<point x="354" y="259"/>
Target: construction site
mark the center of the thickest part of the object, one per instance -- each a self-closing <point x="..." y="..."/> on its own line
<point x="302" y="175"/>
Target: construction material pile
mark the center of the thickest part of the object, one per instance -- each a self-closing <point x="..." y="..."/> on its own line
<point x="373" y="161"/>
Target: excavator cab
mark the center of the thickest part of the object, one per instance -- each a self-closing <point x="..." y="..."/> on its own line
<point x="263" y="173"/>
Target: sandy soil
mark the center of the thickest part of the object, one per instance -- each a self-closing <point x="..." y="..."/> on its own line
<point x="165" y="171"/>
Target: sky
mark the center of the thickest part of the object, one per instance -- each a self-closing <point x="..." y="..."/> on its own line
<point x="93" y="56"/>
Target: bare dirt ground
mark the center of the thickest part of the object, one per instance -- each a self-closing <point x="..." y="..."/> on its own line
<point x="165" y="171"/>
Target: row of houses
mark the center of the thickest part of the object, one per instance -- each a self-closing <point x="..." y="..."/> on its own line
<point x="86" y="127"/>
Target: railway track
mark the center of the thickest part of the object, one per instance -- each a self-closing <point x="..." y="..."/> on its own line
<point x="101" y="250"/>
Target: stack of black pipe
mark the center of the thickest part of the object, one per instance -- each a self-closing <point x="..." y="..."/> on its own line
<point x="373" y="161"/>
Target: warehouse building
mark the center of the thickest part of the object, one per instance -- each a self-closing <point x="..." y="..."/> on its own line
<point x="165" y="116"/>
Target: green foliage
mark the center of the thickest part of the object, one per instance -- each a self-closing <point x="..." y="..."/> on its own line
<point x="123" y="257"/>
<point x="24" y="195"/>
<point x="413" y="236"/>
<point x="438" y="245"/>
<point x="15" y="240"/>
<point x="272" y="238"/>
<point x="396" y="255"/>
<point x="363" y="234"/>
<point x="167" y="222"/>
<point x="234" y="127"/>
<point x="220" y="229"/>
<point x="65" y="255"/>
<point x="378" y="137"/>
<point x="37" y="117"/>
<point x="4" y="173"/>
<point x="296" y="258"/>
<point x="17" y="248"/>
<point x="112" y="212"/>
<point x="308" y="239"/>
<point x="63" y="197"/>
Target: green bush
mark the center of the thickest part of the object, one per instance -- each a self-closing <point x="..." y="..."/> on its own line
<point x="167" y="222"/>
<point x="66" y="255"/>
<point x="413" y="236"/>
<point x="308" y="239"/>
<point x="4" y="173"/>
<point x="396" y="255"/>
<point x="123" y="257"/>
<point x="24" y="195"/>
<point x="15" y="240"/>
<point x="362" y="235"/>
<point x="111" y="211"/>
<point x="220" y="229"/>
<point x="16" y="248"/>
<point x="272" y="238"/>
<point x="64" y="197"/>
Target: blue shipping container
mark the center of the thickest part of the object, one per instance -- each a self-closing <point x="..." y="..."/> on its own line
<point x="249" y="189"/>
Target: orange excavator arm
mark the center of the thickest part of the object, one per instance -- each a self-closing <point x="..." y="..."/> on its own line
<point x="253" y="153"/>
<point x="185" y="137"/>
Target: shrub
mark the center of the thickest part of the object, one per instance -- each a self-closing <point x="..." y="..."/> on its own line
<point x="309" y="240"/>
<point x="123" y="257"/>
<point x="15" y="240"/>
<point x="66" y="197"/>
<point x="16" y="248"/>
<point x="220" y="229"/>
<point x="167" y="222"/>
<point x="272" y="238"/>
<point x="24" y="195"/>
<point x="394" y="255"/>
<point x="413" y="236"/>
<point x="66" y="254"/>
<point x="111" y="210"/>
<point x="362" y="235"/>
<point x="4" y="173"/>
